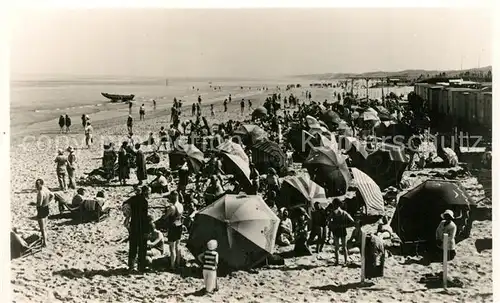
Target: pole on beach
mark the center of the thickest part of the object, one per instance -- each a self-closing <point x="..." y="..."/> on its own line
<point x="363" y="243"/>
<point x="445" y="261"/>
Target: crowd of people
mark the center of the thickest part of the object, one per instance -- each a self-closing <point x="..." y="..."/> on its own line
<point x="193" y="189"/>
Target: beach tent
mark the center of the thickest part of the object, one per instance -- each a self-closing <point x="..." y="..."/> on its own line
<point x="417" y="214"/>
<point x="369" y="190"/>
<point x="191" y="153"/>
<point x="232" y="148"/>
<point x="329" y="169"/>
<point x="301" y="191"/>
<point x="244" y="227"/>
<point x="249" y="134"/>
<point x="385" y="165"/>
<point x="238" y="167"/>
<point x="266" y="154"/>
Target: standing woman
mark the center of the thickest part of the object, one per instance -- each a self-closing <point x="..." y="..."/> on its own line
<point x="68" y="123"/>
<point x="71" y="167"/>
<point x="43" y="198"/>
<point x="446" y="226"/>
<point x="88" y="134"/>
<point x="108" y="161"/>
<point x="140" y="162"/>
<point x="62" y="123"/>
<point x="174" y="212"/>
<point x="123" y="164"/>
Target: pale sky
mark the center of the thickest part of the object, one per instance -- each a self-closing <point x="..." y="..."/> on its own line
<point x="253" y="43"/>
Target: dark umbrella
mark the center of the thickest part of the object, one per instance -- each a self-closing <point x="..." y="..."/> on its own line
<point x="259" y="112"/>
<point x="385" y="165"/>
<point x="266" y="154"/>
<point x="418" y="212"/>
<point x="244" y="227"/>
<point x="190" y="152"/>
<point x="329" y="169"/>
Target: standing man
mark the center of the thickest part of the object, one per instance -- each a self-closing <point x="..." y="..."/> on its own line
<point x="199" y="100"/>
<point x="130" y="107"/>
<point x="250" y="104"/>
<point x="61" y="163"/>
<point x="193" y="109"/>
<point x="242" y="105"/>
<point x="140" y="161"/>
<point x="225" y="105"/>
<point x="138" y="229"/>
<point x="154" y="104"/>
<point x="229" y="98"/>
<point x="71" y="167"/>
<point x="212" y="112"/>
<point x="62" y="123"/>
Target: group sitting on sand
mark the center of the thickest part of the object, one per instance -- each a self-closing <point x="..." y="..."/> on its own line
<point x="190" y="188"/>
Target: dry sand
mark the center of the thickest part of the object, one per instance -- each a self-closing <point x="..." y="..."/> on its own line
<point x="84" y="263"/>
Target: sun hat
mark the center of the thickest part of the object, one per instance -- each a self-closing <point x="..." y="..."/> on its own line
<point x="449" y="213"/>
<point x="212" y="244"/>
<point x="70" y="149"/>
<point x="60" y="152"/>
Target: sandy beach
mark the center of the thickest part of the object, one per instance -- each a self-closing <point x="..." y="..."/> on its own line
<point x="84" y="262"/>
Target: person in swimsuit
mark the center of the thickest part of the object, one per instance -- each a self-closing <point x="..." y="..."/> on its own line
<point x="43" y="198"/>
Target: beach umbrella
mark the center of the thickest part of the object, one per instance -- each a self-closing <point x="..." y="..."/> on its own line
<point x="354" y="148"/>
<point x="370" y="115"/>
<point x="250" y="134"/>
<point x="244" y="227"/>
<point x="329" y="169"/>
<point x="266" y="154"/>
<point x="330" y="116"/>
<point x="385" y="165"/>
<point x="329" y="141"/>
<point x="238" y="167"/>
<point x="232" y="148"/>
<point x="259" y="112"/>
<point x="301" y="141"/>
<point x="301" y="191"/>
<point x="191" y="153"/>
<point x="417" y="214"/>
<point x="369" y="190"/>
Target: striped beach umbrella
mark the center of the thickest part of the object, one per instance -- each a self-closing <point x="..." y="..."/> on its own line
<point x="301" y="191"/>
<point x="244" y="227"/>
<point x="370" y="191"/>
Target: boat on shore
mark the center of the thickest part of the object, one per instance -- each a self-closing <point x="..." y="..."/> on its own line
<point x="116" y="98"/>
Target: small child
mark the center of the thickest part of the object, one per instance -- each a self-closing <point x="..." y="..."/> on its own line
<point x="210" y="260"/>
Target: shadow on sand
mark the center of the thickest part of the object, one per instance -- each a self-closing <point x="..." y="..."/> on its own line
<point x="346" y="287"/>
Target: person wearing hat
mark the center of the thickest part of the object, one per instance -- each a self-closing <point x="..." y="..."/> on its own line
<point x="446" y="226"/>
<point x="210" y="261"/>
<point x="285" y="229"/>
<point x="61" y="164"/>
<point x="71" y="167"/>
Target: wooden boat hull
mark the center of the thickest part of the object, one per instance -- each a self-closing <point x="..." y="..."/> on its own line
<point x="116" y="98"/>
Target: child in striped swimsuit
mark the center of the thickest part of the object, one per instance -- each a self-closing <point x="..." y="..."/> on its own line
<point x="210" y="260"/>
